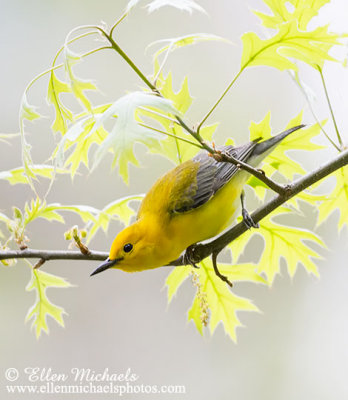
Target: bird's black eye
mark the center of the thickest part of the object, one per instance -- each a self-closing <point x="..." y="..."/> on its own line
<point x="127" y="247"/>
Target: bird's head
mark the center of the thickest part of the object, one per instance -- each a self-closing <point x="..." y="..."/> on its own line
<point x="132" y="250"/>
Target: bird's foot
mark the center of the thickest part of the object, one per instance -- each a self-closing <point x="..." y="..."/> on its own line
<point x="248" y="221"/>
<point x="189" y="256"/>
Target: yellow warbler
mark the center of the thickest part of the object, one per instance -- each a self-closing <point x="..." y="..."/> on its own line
<point x="191" y="203"/>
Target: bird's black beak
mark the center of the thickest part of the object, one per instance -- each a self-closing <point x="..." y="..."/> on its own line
<point x="105" y="265"/>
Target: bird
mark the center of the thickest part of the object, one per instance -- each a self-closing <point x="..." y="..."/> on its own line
<point x="193" y="202"/>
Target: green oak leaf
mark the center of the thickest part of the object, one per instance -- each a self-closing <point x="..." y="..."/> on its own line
<point x="79" y="138"/>
<point x="17" y="175"/>
<point x="310" y="47"/>
<point x="337" y="199"/>
<point x="175" y="148"/>
<point x="279" y="160"/>
<point x="118" y="210"/>
<point x="127" y="131"/>
<point x="78" y="86"/>
<point x="52" y="212"/>
<point x="41" y="281"/>
<point x="182" y="41"/>
<point x="217" y="296"/>
<point x="63" y="115"/>
<point x="281" y="241"/>
<point x="222" y="302"/>
<point x="27" y="113"/>
<point x="302" y="11"/>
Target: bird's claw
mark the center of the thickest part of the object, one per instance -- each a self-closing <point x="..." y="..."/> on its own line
<point x="248" y="221"/>
<point x="189" y="256"/>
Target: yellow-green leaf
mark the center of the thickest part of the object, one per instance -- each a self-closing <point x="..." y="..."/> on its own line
<point x="222" y="302"/>
<point x="51" y="212"/>
<point x="5" y="137"/>
<point x="279" y="160"/>
<point x="40" y="281"/>
<point x="118" y="210"/>
<point x="281" y="241"/>
<point x="79" y="138"/>
<point x="56" y="87"/>
<point x="175" y="280"/>
<point x="187" y="40"/>
<point x="300" y="10"/>
<point x="195" y="314"/>
<point x="11" y="261"/>
<point x="337" y="199"/>
<point x="38" y="209"/>
<point x="176" y="149"/>
<point x="181" y="99"/>
<point x="28" y="111"/>
<point x="310" y="47"/>
<point x="213" y="296"/>
<point x="261" y="129"/>
<point x="17" y="175"/>
<point x="126" y="130"/>
<point x="78" y="86"/>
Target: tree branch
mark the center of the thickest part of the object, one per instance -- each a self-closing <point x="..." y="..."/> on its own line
<point x="53" y="255"/>
<point x="200" y="251"/>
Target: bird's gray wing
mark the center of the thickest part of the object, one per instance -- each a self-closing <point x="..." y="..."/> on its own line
<point x="211" y="175"/>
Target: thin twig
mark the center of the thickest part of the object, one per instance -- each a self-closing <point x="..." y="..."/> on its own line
<point x="253" y="171"/>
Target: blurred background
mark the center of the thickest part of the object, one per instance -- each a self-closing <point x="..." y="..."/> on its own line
<point x="297" y="347"/>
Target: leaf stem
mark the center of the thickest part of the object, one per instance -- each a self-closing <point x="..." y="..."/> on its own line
<point x="159" y="114"/>
<point x="219" y="99"/>
<point x="309" y="102"/>
<point x="118" y="22"/>
<point x="165" y="58"/>
<point x="330" y="106"/>
<point x="118" y="49"/>
<point x="171" y="135"/>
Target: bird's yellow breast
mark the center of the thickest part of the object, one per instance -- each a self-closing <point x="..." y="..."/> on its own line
<point x="178" y="230"/>
<point x="209" y="219"/>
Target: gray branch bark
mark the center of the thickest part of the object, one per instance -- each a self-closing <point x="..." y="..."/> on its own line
<point x="202" y="250"/>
